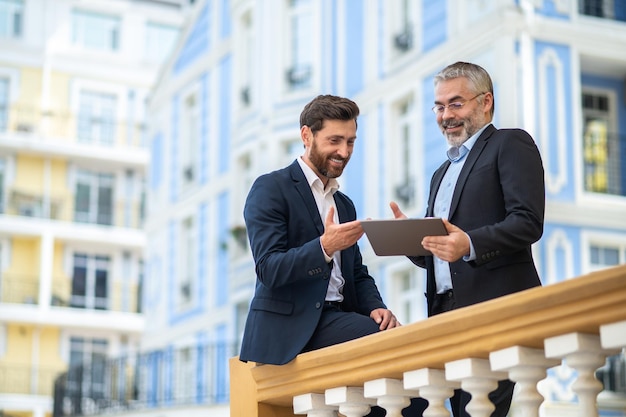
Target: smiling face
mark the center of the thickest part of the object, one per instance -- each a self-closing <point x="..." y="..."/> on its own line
<point x="329" y="150"/>
<point x="459" y="125"/>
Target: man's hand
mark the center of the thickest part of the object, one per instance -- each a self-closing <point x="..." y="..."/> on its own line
<point x="449" y="248"/>
<point x="339" y="236"/>
<point x="384" y="318"/>
<point x="397" y="213"/>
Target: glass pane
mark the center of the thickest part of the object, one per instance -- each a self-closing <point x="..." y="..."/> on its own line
<point x="79" y="281"/>
<point x="4" y="103"/>
<point x="105" y="204"/>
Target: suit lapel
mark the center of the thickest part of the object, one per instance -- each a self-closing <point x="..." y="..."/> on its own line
<point x="472" y="157"/>
<point x="302" y="187"/>
<point x="436" y="182"/>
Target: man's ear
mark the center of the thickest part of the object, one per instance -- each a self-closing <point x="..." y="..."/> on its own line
<point x="306" y="135"/>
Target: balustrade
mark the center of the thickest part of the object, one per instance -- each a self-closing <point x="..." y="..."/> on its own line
<point x="579" y="322"/>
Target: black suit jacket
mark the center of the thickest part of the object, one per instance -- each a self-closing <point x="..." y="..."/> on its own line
<point x="284" y="228"/>
<point x="499" y="201"/>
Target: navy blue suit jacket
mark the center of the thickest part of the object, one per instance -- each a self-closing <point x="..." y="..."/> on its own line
<point x="499" y="201"/>
<point x="284" y="228"/>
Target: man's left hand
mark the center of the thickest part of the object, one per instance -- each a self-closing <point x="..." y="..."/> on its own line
<point x="384" y="318"/>
<point x="449" y="248"/>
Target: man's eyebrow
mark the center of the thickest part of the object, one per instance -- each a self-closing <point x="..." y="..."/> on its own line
<point x="453" y="99"/>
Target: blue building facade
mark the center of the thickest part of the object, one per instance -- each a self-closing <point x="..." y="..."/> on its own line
<point x="226" y="110"/>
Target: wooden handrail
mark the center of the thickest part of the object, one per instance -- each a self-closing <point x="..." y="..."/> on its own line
<point x="526" y="318"/>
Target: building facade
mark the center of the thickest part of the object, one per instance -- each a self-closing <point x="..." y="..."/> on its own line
<point x="74" y="77"/>
<point x="225" y="110"/>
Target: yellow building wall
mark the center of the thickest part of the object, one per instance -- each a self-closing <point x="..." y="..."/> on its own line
<point x="61" y="197"/>
<point x="29" y="174"/>
<point x="61" y="282"/>
<point x="21" y="278"/>
<point x="17" y="359"/>
<point x="51" y="364"/>
<point x="63" y="123"/>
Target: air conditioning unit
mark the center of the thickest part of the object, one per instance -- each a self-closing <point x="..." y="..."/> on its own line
<point x="188" y="173"/>
<point x="25" y="127"/>
<point x="245" y="95"/>
<point x="298" y="75"/>
<point x="405" y="192"/>
<point x="403" y="41"/>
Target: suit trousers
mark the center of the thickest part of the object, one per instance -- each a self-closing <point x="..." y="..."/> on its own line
<point x="501" y="397"/>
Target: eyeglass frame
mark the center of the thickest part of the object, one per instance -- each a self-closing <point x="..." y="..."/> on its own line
<point x="454" y="106"/>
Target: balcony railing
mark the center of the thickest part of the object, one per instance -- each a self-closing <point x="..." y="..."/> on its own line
<point x="577" y="323"/>
<point x="68" y="127"/>
<point x="163" y="378"/>
<point x="24" y="289"/>
<point x="27" y="380"/>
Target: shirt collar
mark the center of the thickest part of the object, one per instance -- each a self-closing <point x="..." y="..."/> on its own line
<point x="315" y="181"/>
<point x="468" y="144"/>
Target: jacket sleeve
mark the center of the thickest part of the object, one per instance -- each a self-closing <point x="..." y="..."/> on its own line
<point x="284" y="250"/>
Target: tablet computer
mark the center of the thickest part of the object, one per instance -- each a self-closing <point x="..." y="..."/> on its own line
<point x="397" y="237"/>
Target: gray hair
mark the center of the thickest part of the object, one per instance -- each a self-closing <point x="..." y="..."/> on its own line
<point x="478" y="77"/>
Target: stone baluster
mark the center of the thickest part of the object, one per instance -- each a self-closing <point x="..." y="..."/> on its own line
<point x="583" y="353"/>
<point x="350" y="401"/>
<point x="613" y="336"/>
<point x="390" y="394"/>
<point x="526" y="367"/>
<point x="479" y="380"/>
<point x="313" y="405"/>
<point x="433" y="387"/>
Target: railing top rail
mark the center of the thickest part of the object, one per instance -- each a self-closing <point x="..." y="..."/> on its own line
<point x="527" y="318"/>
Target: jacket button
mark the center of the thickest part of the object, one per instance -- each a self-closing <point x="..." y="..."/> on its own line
<point x="318" y="304"/>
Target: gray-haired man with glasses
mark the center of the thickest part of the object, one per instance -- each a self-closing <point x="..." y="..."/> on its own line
<point x="490" y="193"/>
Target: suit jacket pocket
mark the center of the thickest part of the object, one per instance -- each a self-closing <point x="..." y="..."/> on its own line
<point x="271" y="305"/>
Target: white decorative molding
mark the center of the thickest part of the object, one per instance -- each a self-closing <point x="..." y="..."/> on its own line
<point x="556" y="177"/>
<point x="558" y="240"/>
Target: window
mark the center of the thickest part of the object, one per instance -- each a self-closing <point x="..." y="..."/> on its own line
<point x="598" y="8"/>
<point x="409" y="296"/>
<point x="4" y="104"/>
<point x="160" y="40"/>
<point x="11" y="17"/>
<point x="189" y="139"/>
<point x="402" y="163"/>
<point x="605" y="256"/>
<point x="187" y="268"/>
<point x="299" y="70"/>
<point x="86" y="376"/>
<point x="96" y="118"/>
<point x="94" y="198"/>
<point x="601" y="147"/>
<point x="247" y="58"/>
<point x="404" y="25"/>
<point x="90" y="281"/>
<point x="95" y="31"/>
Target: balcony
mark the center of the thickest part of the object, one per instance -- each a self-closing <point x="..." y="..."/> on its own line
<point x="69" y="128"/>
<point x="577" y="323"/>
<point x="604" y="154"/>
<point x="27" y="380"/>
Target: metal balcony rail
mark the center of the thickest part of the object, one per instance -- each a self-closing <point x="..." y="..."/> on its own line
<point x="19" y="288"/>
<point x="194" y="375"/>
<point x="577" y="323"/>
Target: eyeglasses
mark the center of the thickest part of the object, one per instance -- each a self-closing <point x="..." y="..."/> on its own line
<point x="456" y="106"/>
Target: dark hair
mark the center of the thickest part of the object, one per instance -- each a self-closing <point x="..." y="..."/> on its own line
<point x="327" y="107"/>
<point x="478" y="77"/>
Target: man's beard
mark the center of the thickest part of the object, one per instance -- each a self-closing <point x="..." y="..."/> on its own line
<point x="457" y="139"/>
<point x="321" y="163"/>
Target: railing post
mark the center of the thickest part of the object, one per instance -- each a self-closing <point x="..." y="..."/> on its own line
<point x="527" y="367"/>
<point x="479" y="380"/>
<point x="583" y="353"/>
<point x="433" y="387"/>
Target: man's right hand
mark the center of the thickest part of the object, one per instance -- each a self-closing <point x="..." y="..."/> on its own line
<point x="397" y="213"/>
<point x="339" y="236"/>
